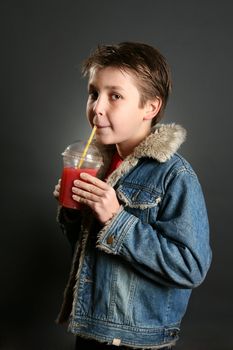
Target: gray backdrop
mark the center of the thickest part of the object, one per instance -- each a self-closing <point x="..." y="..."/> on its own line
<point x="43" y="110"/>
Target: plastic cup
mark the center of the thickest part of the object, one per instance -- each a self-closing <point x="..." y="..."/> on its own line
<point x="71" y="158"/>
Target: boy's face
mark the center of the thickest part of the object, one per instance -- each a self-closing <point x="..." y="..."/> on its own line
<point x="113" y="106"/>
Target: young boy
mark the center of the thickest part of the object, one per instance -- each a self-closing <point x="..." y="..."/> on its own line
<point x="142" y="242"/>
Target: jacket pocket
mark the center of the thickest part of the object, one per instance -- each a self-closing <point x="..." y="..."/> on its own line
<point x="139" y="200"/>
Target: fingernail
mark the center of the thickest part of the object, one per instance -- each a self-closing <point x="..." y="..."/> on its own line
<point x="83" y="175"/>
<point x="77" y="198"/>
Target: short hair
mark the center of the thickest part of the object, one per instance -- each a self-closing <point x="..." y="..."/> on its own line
<point x="146" y="63"/>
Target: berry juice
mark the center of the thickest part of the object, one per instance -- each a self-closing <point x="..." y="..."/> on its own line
<point x="70" y="174"/>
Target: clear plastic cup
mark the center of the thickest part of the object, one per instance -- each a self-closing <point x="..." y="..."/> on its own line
<point x="91" y="164"/>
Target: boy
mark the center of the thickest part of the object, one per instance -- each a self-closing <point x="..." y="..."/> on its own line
<point x="142" y="241"/>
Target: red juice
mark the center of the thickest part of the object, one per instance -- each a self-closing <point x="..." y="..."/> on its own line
<point x="68" y="176"/>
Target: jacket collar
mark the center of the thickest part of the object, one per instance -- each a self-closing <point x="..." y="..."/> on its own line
<point x="163" y="141"/>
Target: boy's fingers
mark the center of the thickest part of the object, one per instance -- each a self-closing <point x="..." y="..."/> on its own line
<point x="87" y="187"/>
<point x="57" y="189"/>
<point x="85" y="195"/>
<point x="94" y="180"/>
<point x="55" y="193"/>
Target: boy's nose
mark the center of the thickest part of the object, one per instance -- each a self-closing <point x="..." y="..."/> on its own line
<point x="99" y="106"/>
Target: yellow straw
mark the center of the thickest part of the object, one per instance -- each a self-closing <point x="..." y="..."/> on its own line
<point x="86" y="147"/>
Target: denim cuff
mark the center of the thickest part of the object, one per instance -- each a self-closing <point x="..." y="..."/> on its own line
<point x="112" y="236"/>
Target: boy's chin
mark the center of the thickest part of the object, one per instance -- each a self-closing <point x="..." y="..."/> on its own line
<point x="103" y="140"/>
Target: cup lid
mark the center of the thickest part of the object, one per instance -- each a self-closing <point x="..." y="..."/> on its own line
<point x="75" y="150"/>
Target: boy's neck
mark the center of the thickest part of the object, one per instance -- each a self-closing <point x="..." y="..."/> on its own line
<point x="126" y="148"/>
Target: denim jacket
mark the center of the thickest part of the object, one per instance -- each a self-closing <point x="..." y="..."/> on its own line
<point x="131" y="279"/>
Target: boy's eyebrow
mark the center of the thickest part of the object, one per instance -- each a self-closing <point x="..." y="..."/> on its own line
<point x="114" y="87"/>
<point x="107" y="87"/>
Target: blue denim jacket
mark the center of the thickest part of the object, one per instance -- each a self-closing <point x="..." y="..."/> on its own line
<point x="131" y="279"/>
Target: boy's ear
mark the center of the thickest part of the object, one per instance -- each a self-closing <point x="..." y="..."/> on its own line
<point x="152" y="108"/>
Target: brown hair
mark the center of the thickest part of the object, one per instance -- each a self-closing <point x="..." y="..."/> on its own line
<point x="144" y="61"/>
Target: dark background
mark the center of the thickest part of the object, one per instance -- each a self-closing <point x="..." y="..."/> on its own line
<point x="43" y="110"/>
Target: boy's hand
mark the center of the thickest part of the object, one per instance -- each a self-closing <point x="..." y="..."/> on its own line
<point x="98" y="195"/>
<point x="57" y="189"/>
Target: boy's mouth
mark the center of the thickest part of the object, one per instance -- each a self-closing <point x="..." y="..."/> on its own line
<point x="102" y="126"/>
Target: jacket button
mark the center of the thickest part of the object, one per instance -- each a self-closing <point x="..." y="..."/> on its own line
<point x="110" y="240"/>
<point x="174" y="333"/>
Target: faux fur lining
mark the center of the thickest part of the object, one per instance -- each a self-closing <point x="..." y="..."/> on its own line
<point x="70" y="294"/>
<point x="66" y="307"/>
<point x="142" y="206"/>
<point x="129" y="163"/>
<point x="87" y="224"/>
<point x="161" y="144"/>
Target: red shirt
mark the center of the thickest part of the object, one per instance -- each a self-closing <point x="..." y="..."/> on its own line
<point x="116" y="161"/>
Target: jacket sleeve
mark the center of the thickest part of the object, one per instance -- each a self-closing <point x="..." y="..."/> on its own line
<point x="172" y="249"/>
<point x="70" y="223"/>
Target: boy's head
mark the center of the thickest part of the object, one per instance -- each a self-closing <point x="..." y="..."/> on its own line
<point x="148" y="66"/>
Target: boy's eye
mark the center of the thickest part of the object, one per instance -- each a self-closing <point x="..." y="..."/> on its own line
<point x="115" y="97"/>
<point x="93" y="94"/>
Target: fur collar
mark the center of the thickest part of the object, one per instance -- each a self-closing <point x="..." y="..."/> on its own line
<point x="161" y="144"/>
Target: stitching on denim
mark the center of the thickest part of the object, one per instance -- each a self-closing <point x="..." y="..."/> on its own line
<point x="140" y="186"/>
<point x="125" y="230"/>
<point x="127" y="328"/>
<point x="132" y="291"/>
<point x="179" y="170"/>
<point x="100" y="337"/>
<point x="138" y="205"/>
<point x="168" y="306"/>
<point x="113" y="292"/>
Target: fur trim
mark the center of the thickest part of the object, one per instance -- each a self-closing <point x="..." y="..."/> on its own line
<point x="161" y="144"/>
<point x="66" y="307"/>
<point x="85" y="229"/>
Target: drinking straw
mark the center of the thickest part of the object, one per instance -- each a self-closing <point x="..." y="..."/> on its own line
<point x="86" y="147"/>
